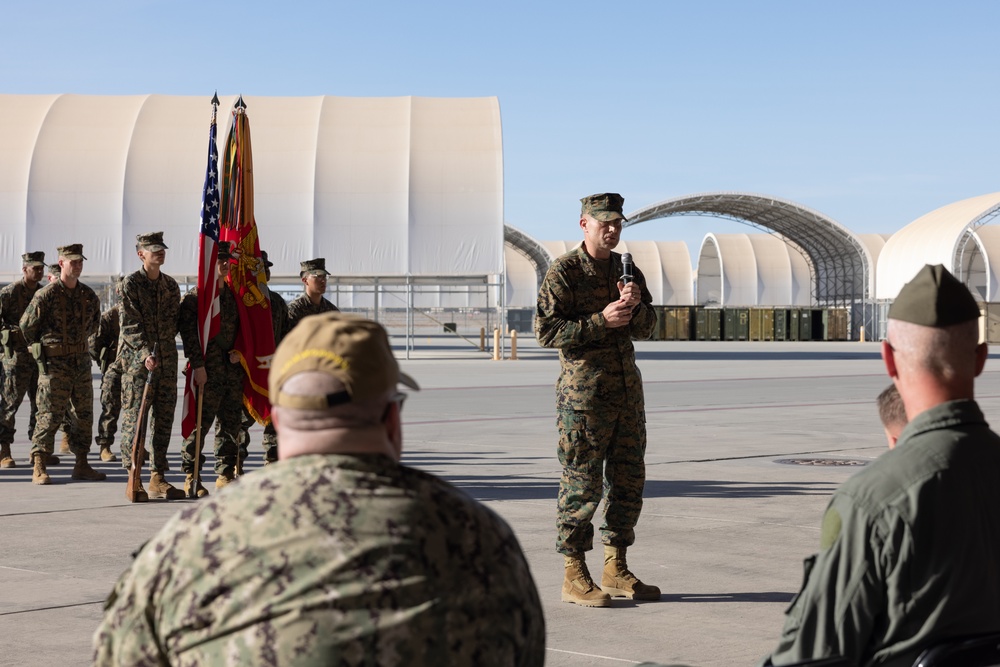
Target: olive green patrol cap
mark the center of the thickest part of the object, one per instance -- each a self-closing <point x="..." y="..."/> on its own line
<point x="604" y="207"/>
<point x="934" y="298"/>
<point x="54" y="269"/>
<point x="72" y="251"/>
<point x="349" y="348"/>
<point x="153" y="241"/>
<point x="313" y="267"/>
<point x="36" y="258"/>
<point x="225" y="250"/>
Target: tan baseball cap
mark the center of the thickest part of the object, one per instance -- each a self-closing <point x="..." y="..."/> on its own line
<point x="350" y="348"/>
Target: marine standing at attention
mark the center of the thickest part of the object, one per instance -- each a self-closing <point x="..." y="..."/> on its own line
<point x="57" y="323"/>
<point x="592" y="316"/>
<point x="311" y="302"/>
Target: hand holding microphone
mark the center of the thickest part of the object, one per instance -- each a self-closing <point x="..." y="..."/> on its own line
<point x="630" y="292"/>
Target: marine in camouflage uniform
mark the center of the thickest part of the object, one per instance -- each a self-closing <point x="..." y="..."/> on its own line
<point x="909" y="545"/>
<point x="60" y="318"/>
<point x="279" y="320"/>
<point x="331" y="558"/>
<point x="311" y="302"/>
<point x="20" y="371"/>
<point x="591" y="317"/>
<point x="149" y="315"/>
<point x="104" y="351"/>
<point x="223" y="387"/>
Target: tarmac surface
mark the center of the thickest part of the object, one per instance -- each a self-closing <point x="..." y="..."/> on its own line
<point x="746" y="442"/>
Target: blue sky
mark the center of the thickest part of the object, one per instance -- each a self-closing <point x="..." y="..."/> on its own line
<point x="873" y="113"/>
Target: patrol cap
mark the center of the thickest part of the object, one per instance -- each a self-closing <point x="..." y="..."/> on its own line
<point x="349" y="348"/>
<point x="72" y="251"/>
<point x="313" y="267"/>
<point x="934" y="298"/>
<point x="36" y="258"/>
<point x="153" y="241"/>
<point x="267" y="262"/>
<point x="54" y="269"/>
<point x="225" y="250"/>
<point x="604" y="207"/>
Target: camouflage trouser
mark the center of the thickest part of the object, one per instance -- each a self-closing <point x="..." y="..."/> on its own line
<point x="111" y="407"/>
<point x="269" y="441"/>
<point x="20" y="377"/>
<point x="223" y="400"/>
<point x="65" y="398"/>
<point x="600" y="452"/>
<point x="162" y="399"/>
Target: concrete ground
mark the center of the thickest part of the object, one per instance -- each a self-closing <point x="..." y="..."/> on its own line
<point x="725" y="525"/>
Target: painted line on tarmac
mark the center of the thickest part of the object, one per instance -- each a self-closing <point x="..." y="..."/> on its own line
<point x="591" y="655"/>
<point x="69" y="509"/>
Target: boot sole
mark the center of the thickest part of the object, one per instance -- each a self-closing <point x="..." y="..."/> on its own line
<point x="42" y="482"/>
<point x="622" y="593"/>
<point x="586" y="603"/>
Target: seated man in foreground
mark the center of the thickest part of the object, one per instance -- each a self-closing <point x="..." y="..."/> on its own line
<point x="909" y="546"/>
<point x="337" y="554"/>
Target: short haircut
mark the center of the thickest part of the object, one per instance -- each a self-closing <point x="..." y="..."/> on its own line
<point x="890" y="407"/>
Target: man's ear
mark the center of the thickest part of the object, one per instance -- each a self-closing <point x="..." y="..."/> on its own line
<point x="982" y="352"/>
<point x="889" y="358"/>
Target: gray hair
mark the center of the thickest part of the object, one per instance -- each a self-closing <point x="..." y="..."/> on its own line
<point x="947" y="353"/>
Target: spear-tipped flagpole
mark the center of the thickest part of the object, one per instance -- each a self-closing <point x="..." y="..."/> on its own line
<point x="215" y="105"/>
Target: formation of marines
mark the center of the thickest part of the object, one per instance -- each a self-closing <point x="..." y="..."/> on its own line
<point x="52" y="332"/>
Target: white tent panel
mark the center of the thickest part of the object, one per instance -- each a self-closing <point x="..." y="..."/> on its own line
<point x="77" y="178"/>
<point x="378" y="186"/>
<point x="930" y="239"/>
<point x="801" y="294"/>
<point x="456" y="187"/>
<point x="21" y="118"/>
<point x="774" y="269"/>
<point x="521" y="282"/>
<point x="164" y="179"/>
<point x="678" y="278"/>
<point x="362" y="187"/>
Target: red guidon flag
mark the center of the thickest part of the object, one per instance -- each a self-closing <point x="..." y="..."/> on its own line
<point x="255" y="342"/>
<point x="208" y="253"/>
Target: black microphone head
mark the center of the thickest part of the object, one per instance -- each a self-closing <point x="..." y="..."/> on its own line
<point x="626" y="258"/>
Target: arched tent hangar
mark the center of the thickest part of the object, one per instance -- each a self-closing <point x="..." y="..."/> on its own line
<point x="402" y="196"/>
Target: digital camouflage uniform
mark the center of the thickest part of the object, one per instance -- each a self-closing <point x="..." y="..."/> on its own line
<point x="62" y="320"/>
<point x="327" y="561"/>
<point x="223" y="392"/>
<point x="279" y="321"/>
<point x="149" y="314"/>
<point x="301" y="307"/>
<point x="20" y="370"/>
<point x="909" y="548"/>
<point x="599" y="399"/>
<point x="104" y="351"/>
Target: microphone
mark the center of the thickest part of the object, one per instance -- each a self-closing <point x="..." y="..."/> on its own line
<point x="626" y="267"/>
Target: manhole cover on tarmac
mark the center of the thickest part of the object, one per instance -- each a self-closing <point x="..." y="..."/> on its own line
<point x="822" y="462"/>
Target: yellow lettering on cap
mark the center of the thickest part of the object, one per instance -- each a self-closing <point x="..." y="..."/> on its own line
<point x="324" y="354"/>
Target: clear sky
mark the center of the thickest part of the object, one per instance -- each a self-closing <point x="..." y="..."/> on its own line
<point x="873" y="113"/>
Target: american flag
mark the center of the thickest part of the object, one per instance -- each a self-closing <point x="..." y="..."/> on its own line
<point x="208" y="293"/>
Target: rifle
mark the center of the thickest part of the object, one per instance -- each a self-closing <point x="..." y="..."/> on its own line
<point x="196" y="479"/>
<point x="134" y="491"/>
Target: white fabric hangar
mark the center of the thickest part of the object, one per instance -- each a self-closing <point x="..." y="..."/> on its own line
<point x="399" y="188"/>
<point x="752" y="270"/>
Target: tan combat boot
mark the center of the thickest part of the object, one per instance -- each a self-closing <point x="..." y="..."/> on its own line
<point x="107" y="455"/>
<point x="579" y="588"/>
<point x="38" y="475"/>
<point x="223" y="480"/>
<point x="188" y="481"/>
<point x="618" y="581"/>
<point x="64" y="444"/>
<point x="82" y="470"/>
<point x="6" y="460"/>
<point x="161" y="488"/>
